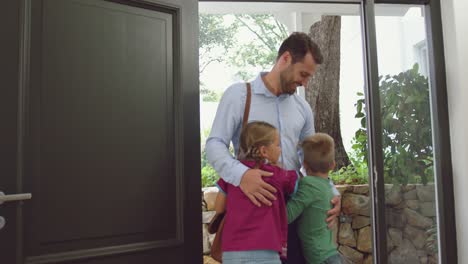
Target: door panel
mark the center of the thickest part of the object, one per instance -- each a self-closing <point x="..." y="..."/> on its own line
<point x="111" y="131"/>
<point x="106" y="149"/>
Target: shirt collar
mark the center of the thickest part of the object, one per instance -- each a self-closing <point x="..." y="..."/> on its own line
<point x="259" y="87"/>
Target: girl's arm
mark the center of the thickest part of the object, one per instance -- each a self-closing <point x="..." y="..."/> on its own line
<point x="220" y="202"/>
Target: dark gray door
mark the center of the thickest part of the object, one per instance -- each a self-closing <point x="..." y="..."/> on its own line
<point x="99" y="121"/>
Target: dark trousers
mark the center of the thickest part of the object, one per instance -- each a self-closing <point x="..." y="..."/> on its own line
<point x="295" y="255"/>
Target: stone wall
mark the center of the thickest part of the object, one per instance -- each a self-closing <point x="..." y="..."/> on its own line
<point x="410" y="213"/>
<point x="410" y="216"/>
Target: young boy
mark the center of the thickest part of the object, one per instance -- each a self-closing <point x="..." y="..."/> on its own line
<point x="312" y="201"/>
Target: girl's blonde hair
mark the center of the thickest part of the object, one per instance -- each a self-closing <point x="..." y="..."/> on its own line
<point x="253" y="136"/>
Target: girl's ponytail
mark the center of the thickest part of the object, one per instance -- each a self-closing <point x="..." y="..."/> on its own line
<point x="253" y="136"/>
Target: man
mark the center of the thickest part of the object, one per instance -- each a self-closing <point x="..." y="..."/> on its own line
<point x="274" y="100"/>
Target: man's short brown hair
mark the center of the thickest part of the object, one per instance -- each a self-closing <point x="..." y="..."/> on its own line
<point x="299" y="44"/>
<point x="319" y="152"/>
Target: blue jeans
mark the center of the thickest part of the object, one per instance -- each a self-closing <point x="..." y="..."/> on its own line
<point x="335" y="259"/>
<point x="251" y="257"/>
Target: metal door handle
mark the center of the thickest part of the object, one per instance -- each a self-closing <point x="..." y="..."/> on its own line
<point x="14" y="197"/>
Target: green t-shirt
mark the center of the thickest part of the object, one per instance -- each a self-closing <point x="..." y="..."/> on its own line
<point x="312" y="200"/>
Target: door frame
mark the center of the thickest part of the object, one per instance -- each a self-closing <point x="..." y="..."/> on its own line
<point x="440" y="123"/>
<point x="15" y="63"/>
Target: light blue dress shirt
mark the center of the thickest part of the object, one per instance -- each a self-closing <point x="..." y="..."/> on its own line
<point x="290" y="114"/>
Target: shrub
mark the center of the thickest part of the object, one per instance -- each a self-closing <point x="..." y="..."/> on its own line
<point x="209" y="177"/>
<point x="406" y="127"/>
<point x="353" y="174"/>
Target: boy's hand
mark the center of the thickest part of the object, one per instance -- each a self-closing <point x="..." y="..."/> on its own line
<point x="256" y="189"/>
<point x="334" y="212"/>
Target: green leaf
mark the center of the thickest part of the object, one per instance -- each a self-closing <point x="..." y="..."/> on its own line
<point x="358" y="115"/>
<point x="359" y="109"/>
<point x="363" y="122"/>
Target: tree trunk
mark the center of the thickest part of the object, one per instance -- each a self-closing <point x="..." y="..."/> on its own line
<point x="323" y="92"/>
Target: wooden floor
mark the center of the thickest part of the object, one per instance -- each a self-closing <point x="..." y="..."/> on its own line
<point x="209" y="260"/>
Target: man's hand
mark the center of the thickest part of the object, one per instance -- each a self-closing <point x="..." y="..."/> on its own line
<point x="334" y="212"/>
<point x="256" y="189"/>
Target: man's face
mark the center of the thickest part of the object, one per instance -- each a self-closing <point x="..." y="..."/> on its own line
<point x="297" y="74"/>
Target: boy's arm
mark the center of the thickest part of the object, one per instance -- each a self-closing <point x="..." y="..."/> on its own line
<point x="291" y="182"/>
<point x="300" y="200"/>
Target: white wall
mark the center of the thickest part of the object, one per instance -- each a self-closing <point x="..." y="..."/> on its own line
<point x="455" y="26"/>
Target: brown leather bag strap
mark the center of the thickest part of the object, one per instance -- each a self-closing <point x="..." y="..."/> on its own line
<point x="247" y="106"/>
<point x="216" y="249"/>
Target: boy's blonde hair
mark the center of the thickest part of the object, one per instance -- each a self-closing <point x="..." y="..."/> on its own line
<point x="253" y="136"/>
<point x="319" y="152"/>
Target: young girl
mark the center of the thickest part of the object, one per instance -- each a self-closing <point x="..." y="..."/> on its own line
<point x="256" y="234"/>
